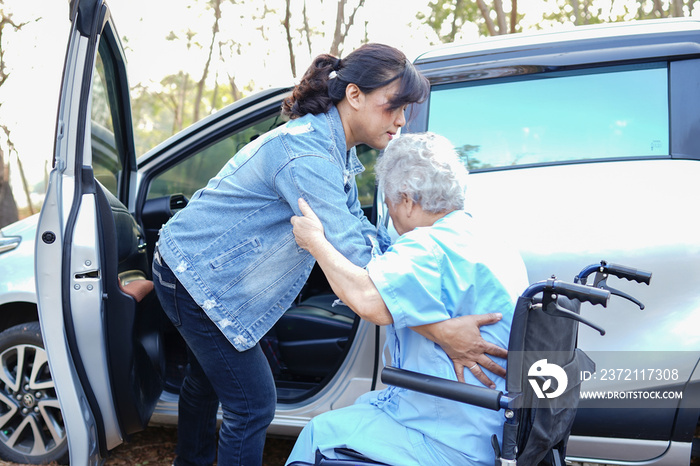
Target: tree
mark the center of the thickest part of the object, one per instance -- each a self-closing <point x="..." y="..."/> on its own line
<point x="448" y="17"/>
<point x="304" y="35"/>
<point x="216" y="6"/>
<point x="649" y="9"/>
<point x="582" y="12"/>
<point x="8" y="206"/>
<point x="343" y="25"/>
<point x="288" y="31"/>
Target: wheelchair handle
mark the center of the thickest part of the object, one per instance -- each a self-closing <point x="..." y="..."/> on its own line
<point x="620" y="271"/>
<point x="579" y="292"/>
<point x="570" y="290"/>
<point x="639" y="276"/>
<point x="444" y="388"/>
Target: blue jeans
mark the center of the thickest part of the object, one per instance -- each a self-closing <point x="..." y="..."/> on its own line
<point x="216" y="372"/>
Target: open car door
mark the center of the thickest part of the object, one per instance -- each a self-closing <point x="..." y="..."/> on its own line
<point x="99" y="317"/>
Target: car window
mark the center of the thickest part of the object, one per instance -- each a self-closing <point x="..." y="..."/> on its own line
<point x="194" y="172"/>
<point x="105" y="158"/>
<point x="365" y="180"/>
<point x="610" y="112"/>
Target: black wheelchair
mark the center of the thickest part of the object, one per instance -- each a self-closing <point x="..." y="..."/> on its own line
<point x="543" y="367"/>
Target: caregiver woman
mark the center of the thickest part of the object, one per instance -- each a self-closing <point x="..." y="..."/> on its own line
<point x="227" y="267"/>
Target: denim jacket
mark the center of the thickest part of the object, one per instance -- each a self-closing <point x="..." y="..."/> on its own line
<point x="232" y="246"/>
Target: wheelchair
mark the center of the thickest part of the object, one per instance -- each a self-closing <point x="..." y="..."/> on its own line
<point x="543" y="367"/>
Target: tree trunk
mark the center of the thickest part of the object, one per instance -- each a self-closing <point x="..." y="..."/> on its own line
<point x="659" y="9"/>
<point x="290" y="44"/>
<point x="8" y="207"/>
<point x="307" y="29"/>
<point x="500" y="16"/>
<point x="577" y="12"/>
<point x="455" y="26"/>
<point x="235" y="92"/>
<point x="178" y="102"/>
<point x="337" y="34"/>
<point x="487" y="17"/>
<point x="513" y="16"/>
<point x="341" y="33"/>
<point x="25" y="186"/>
<point x="677" y="8"/>
<point x="216" y="5"/>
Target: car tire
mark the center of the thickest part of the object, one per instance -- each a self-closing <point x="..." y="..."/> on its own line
<point x="31" y="424"/>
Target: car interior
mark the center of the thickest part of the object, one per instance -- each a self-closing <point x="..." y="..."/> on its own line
<point x="304" y="349"/>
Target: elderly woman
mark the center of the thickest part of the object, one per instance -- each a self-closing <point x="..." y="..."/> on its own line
<point x="442" y="266"/>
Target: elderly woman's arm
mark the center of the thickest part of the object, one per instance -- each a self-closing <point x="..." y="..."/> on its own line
<point x="349" y="282"/>
<point x="459" y="337"/>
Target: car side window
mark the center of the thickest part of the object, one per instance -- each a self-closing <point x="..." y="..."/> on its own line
<point x="194" y="172"/>
<point x="106" y="162"/>
<point x="603" y="113"/>
<point x="366" y="180"/>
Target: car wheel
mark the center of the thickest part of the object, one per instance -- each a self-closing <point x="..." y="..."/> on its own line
<point x="31" y="424"/>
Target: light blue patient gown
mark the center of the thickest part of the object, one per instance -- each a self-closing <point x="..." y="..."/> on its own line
<point x="428" y="275"/>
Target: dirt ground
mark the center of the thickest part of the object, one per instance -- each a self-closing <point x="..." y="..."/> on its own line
<point x="156" y="447"/>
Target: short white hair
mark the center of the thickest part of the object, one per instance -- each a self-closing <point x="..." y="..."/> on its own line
<point x="426" y="168"/>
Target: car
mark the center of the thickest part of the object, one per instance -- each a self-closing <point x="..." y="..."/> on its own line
<point x="583" y="145"/>
<point x="616" y="187"/>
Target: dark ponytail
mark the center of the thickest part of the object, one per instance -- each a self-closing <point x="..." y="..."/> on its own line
<point x="369" y="67"/>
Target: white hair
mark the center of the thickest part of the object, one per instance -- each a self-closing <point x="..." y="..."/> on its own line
<point x="426" y="168"/>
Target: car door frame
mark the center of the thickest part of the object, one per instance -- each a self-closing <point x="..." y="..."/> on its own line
<point x="69" y="245"/>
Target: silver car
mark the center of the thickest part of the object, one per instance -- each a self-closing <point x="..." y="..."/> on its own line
<point x="583" y="146"/>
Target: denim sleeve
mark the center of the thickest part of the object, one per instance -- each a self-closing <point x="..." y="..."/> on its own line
<point x="383" y="241"/>
<point x="322" y="184"/>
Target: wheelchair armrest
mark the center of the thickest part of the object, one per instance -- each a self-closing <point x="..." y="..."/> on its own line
<point x="444" y="388"/>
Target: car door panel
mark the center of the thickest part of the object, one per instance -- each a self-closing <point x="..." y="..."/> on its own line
<point x="103" y="344"/>
<point x="132" y="336"/>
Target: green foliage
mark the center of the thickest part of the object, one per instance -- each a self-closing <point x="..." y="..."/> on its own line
<point x="161" y="112"/>
<point x="581" y="12"/>
<point x="366" y="182"/>
<point x="447" y="17"/>
<point x="467" y="154"/>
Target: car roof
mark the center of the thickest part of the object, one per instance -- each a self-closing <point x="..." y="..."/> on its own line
<point x="605" y="43"/>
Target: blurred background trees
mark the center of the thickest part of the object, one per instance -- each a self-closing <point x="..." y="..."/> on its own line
<point x="8" y="207"/>
<point x="223" y="50"/>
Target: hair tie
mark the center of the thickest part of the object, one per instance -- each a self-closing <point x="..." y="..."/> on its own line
<point x="337" y="65"/>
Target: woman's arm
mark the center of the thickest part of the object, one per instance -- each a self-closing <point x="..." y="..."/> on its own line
<point x="348" y="281"/>
<point x="320" y="182"/>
